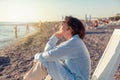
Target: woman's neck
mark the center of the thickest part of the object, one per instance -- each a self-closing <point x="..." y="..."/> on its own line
<point x="68" y="37"/>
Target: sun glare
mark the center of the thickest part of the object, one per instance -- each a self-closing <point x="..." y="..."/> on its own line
<point x="22" y="14"/>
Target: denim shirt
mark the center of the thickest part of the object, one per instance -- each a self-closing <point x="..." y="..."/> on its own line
<point x="68" y="61"/>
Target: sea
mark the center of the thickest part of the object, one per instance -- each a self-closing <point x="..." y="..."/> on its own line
<point x="10" y="32"/>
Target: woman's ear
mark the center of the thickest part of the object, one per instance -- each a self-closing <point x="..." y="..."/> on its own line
<point x="71" y="30"/>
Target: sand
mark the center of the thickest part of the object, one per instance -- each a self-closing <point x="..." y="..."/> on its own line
<point x="15" y="60"/>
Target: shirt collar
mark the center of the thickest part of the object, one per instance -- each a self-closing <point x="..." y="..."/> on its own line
<point x="75" y="36"/>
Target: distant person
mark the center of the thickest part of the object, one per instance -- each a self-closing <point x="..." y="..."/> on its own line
<point x="70" y="60"/>
<point x="95" y="23"/>
<point x="15" y="31"/>
<point x="27" y="28"/>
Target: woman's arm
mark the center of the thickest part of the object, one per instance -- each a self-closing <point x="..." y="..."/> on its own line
<point x="62" y="51"/>
<point x="51" y="43"/>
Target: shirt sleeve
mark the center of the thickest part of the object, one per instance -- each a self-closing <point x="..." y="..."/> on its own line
<point x="60" y="52"/>
<point x="54" y="53"/>
<point x="51" y="43"/>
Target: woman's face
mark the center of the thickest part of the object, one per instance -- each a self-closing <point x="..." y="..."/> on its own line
<point x="64" y="27"/>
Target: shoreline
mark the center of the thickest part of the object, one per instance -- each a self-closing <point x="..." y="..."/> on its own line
<point x="10" y="41"/>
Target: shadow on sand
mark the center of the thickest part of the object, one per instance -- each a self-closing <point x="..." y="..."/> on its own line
<point x="96" y="32"/>
<point x="4" y="61"/>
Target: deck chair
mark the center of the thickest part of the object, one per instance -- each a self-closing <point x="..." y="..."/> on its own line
<point x="110" y="59"/>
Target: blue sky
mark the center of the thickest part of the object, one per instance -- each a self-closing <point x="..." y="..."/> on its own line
<point x="52" y="10"/>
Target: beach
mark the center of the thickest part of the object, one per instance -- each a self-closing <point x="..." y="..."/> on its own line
<point x="17" y="59"/>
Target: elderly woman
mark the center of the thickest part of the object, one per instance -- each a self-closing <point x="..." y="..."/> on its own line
<point x="70" y="60"/>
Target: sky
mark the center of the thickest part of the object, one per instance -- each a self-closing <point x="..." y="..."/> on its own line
<point x="52" y="10"/>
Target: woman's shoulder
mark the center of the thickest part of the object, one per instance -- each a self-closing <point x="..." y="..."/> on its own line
<point x="75" y="39"/>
